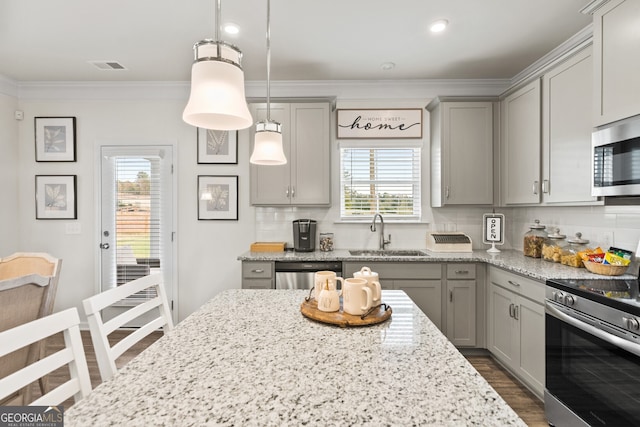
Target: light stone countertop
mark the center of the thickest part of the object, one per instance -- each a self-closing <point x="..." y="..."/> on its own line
<point x="510" y="260"/>
<point x="248" y="357"/>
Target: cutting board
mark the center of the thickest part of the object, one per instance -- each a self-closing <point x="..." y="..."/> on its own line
<point x="268" y="246"/>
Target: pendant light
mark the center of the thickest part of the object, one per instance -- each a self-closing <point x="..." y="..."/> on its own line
<point x="267" y="149"/>
<point x="217" y="99"/>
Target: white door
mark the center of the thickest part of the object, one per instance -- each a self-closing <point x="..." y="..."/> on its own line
<point x="136" y="234"/>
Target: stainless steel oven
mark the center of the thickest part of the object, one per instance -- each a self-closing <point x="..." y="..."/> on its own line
<point x="592" y="353"/>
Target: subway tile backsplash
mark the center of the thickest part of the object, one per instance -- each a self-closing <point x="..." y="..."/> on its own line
<point x="602" y="225"/>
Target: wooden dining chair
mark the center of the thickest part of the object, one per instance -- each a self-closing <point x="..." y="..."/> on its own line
<point x="28" y="284"/>
<point x="155" y="307"/>
<point x="72" y="355"/>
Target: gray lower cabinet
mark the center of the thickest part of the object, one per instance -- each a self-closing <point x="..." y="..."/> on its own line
<point x="258" y="275"/>
<point x="515" y="326"/>
<point x="460" y="305"/>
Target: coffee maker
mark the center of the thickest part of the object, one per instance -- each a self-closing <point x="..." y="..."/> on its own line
<point x="304" y="235"/>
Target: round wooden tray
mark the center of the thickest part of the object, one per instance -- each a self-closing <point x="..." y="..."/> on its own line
<point x="310" y="309"/>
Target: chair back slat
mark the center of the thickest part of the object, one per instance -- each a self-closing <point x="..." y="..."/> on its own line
<point x="106" y="353"/>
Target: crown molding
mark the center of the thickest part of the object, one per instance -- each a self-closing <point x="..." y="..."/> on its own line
<point x="8" y="86"/>
<point x="103" y="90"/>
<point x="593" y="6"/>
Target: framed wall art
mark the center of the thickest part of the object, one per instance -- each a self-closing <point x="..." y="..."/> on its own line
<point x="55" y="139"/>
<point x="376" y="123"/>
<point x="56" y="197"/>
<point x="218" y="197"/>
<point x="217" y="146"/>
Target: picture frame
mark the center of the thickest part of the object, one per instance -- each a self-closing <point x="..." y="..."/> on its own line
<point x="56" y="197"/>
<point x="399" y="123"/>
<point x="218" y="197"/>
<point x="55" y="139"/>
<point x="217" y="146"/>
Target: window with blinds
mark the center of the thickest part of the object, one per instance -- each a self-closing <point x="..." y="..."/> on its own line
<point x="137" y="207"/>
<point x="384" y="180"/>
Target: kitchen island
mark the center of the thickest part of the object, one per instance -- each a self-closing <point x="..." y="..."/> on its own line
<point x="248" y="357"/>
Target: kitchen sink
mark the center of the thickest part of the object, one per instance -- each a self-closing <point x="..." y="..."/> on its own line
<point x="388" y="252"/>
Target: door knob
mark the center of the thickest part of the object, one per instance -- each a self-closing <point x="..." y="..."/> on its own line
<point x="104" y="245"/>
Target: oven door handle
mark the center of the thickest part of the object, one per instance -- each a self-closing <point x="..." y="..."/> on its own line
<point x="605" y="336"/>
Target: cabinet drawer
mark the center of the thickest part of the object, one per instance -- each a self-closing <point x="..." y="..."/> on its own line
<point x="397" y="270"/>
<point x="521" y="285"/>
<point x="461" y="271"/>
<point x="257" y="270"/>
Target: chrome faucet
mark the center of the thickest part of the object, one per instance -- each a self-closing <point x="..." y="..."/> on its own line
<point x="383" y="242"/>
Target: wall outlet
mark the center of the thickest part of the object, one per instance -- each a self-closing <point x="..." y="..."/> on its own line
<point x="607" y="240"/>
<point x="73" y="228"/>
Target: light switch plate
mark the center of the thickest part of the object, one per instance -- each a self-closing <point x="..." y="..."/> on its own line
<point x="73" y="228"/>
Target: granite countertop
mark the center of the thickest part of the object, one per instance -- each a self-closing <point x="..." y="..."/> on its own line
<point x="510" y="260"/>
<point x="248" y="357"/>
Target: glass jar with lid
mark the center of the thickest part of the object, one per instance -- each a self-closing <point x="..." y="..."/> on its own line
<point x="326" y="242"/>
<point x="553" y="246"/>
<point x="571" y="254"/>
<point x="533" y="240"/>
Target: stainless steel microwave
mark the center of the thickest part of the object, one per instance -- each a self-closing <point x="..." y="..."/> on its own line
<point x="616" y="159"/>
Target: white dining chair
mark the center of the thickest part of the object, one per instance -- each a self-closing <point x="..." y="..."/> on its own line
<point x="72" y="355"/>
<point x="157" y="307"/>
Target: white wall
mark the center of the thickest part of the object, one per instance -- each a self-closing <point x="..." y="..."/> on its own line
<point x="9" y="238"/>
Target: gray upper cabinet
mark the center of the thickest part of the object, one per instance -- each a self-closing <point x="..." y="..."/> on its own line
<point x="566" y="131"/>
<point x="617" y="63"/>
<point x="305" y="179"/>
<point x="461" y="152"/>
<point x="520" y="145"/>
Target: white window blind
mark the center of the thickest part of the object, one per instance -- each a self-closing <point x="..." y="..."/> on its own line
<point x="384" y="180"/>
<point x="137" y="206"/>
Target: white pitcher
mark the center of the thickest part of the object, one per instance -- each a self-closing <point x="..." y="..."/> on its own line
<point x="321" y="278"/>
<point x="357" y="297"/>
<point x="374" y="281"/>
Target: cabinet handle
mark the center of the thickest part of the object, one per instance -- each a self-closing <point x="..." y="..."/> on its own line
<point x="450" y="296"/>
<point x="287" y="192"/>
<point x="462" y="271"/>
<point x="446" y="193"/>
<point x="515" y="312"/>
<point x="293" y="191"/>
<point x="535" y="187"/>
<point x="516" y="284"/>
<point x="511" y="306"/>
<point x="545" y="186"/>
<point x="257" y="270"/>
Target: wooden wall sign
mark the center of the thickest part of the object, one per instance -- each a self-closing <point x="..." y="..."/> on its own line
<point x="371" y="124"/>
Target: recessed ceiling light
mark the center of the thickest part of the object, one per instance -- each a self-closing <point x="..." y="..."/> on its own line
<point x="231" y="28"/>
<point x="386" y="66"/>
<point x="439" y="25"/>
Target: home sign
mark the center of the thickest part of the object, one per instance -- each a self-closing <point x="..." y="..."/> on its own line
<point x="370" y="123"/>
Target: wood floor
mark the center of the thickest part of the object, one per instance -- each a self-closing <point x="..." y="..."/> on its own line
<point x="523" y="402"/>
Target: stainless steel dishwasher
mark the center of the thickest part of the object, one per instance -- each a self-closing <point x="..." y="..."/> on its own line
<point x="299" y="274"/>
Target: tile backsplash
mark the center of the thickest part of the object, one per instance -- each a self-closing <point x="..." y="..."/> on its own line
<point x="602" y="225"/>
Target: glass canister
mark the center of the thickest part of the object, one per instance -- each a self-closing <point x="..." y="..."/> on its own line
<point x="571" y="254"/>
<point x="326" y="242"/>
<point x="553" y="246"/>
<point x="533" y="240"/>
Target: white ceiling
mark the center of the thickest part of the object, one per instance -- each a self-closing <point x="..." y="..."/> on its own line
<point x="53" y="40"/>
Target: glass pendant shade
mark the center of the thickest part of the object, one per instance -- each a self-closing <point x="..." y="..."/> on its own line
<point x="217" y="99"/>
<point x="268" y="144"/>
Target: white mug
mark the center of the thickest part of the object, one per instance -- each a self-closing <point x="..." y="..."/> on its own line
<point x="374" y="281"/>
<point x="329" y="299"/>
<point x="357" y="297"/>
<point x="321" y="278"/>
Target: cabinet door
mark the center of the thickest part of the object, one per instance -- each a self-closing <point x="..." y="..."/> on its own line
<point x="461" y="312"/>
<point x="426" y="294"/>
<point x="616" y="43"/>
<point x="310" y="169"/>
<point x="502" y="336"/>
<point x="271" y="185"/>
<point x="257" y="284"/>
<point x="467" y="132"/>
<point x="566" y="131"/>
<point x="530" y="320"/>
<point x="521" y="145"/>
